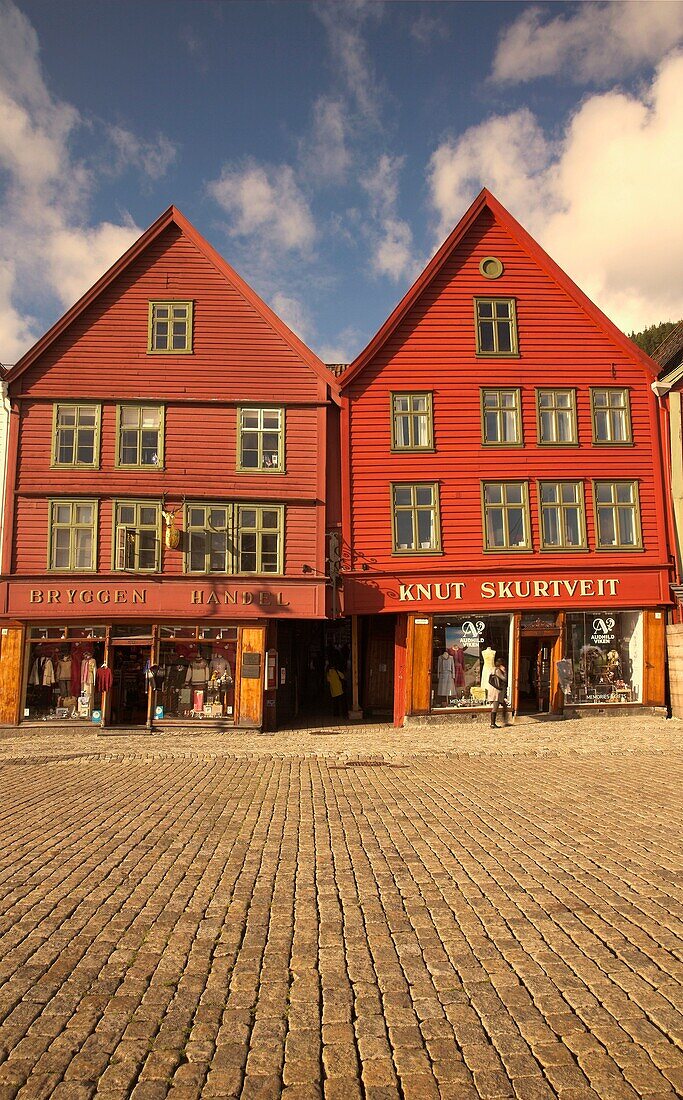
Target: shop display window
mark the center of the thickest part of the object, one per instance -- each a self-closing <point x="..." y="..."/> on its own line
<point x="465" y="649"/>
<point x="65" y="680"/>
<point x="195" y="681"/>
<point x="603" y="657"/>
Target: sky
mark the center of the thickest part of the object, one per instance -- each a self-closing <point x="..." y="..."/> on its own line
<point x="327" y="148"/>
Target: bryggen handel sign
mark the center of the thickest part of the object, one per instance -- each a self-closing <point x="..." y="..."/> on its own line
<point x="511" y="590"/>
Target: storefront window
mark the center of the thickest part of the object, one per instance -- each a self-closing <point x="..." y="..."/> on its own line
<point x="603" y="658"/>
<point x="64" y="679"/>
<point x="195" y="680"/>
<point x="465" y="649"/>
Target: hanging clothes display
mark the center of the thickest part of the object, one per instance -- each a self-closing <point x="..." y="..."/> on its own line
<point x="104" y="679"/>
<point x="446" y="673"/>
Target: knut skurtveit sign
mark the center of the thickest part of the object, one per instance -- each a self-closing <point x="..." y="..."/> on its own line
<point x="583" y="588"/>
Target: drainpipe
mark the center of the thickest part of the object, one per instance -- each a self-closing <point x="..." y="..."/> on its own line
<point x="661" y="388"/>
<point x="4" y="430"/>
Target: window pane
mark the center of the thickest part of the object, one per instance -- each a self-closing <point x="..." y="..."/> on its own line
<point x="130" y="416"/>
<point x="271" y="420"/>
<point x="564" y="426"/>
<point x="495" y="530"/>
<point x="83" y="513"/>
<point x="551" y="527"/>
<point x="127" y="514"/>
<point x="196" y="517"/>
<point x="624" y="492"/>
<point x="218" y="518"/>
<point x="62" y="513"/>
<point x="147" y="549"/>
<point x="150" y="448"/>
<point x="150" y="418"/>
<point x="486" y="336"/>
<point x="423" y="494"/>
<point x="420" y="432"/>
<point x="603" y="492"/>
<point x="493" y="492"/>
<point x="66" y="416"/>
<point x="65" y="452"/>
<point x="83" y="555"/>
<point x="425" y="529"/>
<point x="490" y="399"/>
<point x="569" y="492"/>
<point x="504" y="336"/>
<point x="86" y="445"/>
<point x="270" y="519"/>
<point x="545" y="399"/>
<point x="401" y="404"/>
<point x="129" y="448"/>
<point x="87" y="416"/>
<point x="599" y="398"/>
<point x="502" y="309"/>
<point x="549" y="494"/>
<point x="485" y="309"/>
<point x="606" y="530"/>
<point x="404" y="530"/>
<point x="250" y="418"/>
<point x="572" y="526"/>
<point x="148" y="515"/>
<point x="218" y="550"/>
<point x="491" y="427"/>
<point x="516" y="526"/>
<point x="269" y="547"/>
<point x="247" y="517"/>
<point x="514" y="493"/>
<point x="547" y="428"/>
<point x="618" y="420"/>
<point x="627" y="527"/>
<point x="509" y="427"/>
<point x="403" y="431"/>
<point x="402" y="494"/>
<point x="197" y="550"/>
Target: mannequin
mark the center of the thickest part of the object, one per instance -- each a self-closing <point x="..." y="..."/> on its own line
<point x="459" y="662"/>
<point x="446" y="671"/>
<point x="64" y="674"/>
<point x="197" y="672"/>
<point x="220" y="665"/>
<point x="488" y="656"/>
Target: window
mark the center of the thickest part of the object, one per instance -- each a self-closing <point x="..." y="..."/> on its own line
<point x="506" y="515"/>
<point x="209" y="538"/>
<point x="170" y="327"/>
<point x="556" y="412"/>
<point x="259" y="538"/>
<point x="411" y="422"/>
<point x="611" y="416"/>
<point x="501" y="420"/>
<point x="617" y="515"/>
<point x="260" y="444"/>
<point x="76" y="435"/>
<point x="416" y="518"/>
<point x="563" y="524"/>
<point x="140" y="435"/>
<point x="496" y="326"/>
<point x="137" y="536"/>
<point x="73" y="526"/>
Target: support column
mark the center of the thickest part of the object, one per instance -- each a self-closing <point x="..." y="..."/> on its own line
<point x="355" y="712"/>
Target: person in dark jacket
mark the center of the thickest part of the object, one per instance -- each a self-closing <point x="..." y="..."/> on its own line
<point x="498" y="685"/>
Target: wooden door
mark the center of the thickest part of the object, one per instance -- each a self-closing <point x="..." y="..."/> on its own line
<point x="11" y="650"/>
<point x="250" y="676"/>
<point x="654" y="658"/>
<point x="379" y="664"/>
<point x="421" y="666"/>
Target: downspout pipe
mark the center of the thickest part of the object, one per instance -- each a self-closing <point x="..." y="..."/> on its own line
<point x="4" y="449"/>
<point x="661" y="389"/>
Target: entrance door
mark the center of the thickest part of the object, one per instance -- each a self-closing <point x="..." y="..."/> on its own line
<point x="534" y="674"/>
<point x="129" y="693"/>
<point x="378" y="694"/>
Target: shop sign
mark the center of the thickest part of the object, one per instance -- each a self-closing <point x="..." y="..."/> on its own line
<point x="472" y="631"/>
<point x="511" y="590"/>
<point x="603" y="631"/>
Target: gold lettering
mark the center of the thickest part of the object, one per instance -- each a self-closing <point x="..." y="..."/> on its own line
<point x="518" y="589"/>
<point x="53" y="595"/>
<point x="612" y="586"/>
<point x="230" y="597"/>
<point x="85" y="596"/>
<point x="505" y="589"/>
<point x="405" y="592"/>
<point x="424" y="590"/>
<point x="488" y="590"/>
<point x="212" y="598"/>
<point x="120" y="596"/>
<point x="458" y="586"/>
<point x="247" y="597"/>
<point x="586" y="588"/>
<point x="71" y="593"/>
<point x="103" y="595"/>
<point x="36" y="596"/>
<point x="555" y="585"/>
<point x="439" y="593"/>
<point x="571" y="586"/>
<point x="139" y="595"/>
<point x="264" y="598"/>
<point x="281" y="600"/>
<point x="540" y="588"/>
<point x="197" y="596"/>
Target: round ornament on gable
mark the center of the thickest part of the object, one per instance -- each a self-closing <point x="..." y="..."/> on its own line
<point x="491" y="267"/>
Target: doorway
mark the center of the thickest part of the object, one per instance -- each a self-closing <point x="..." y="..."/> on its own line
<point x="534" y="674"/>
<point x="129" y="692"/>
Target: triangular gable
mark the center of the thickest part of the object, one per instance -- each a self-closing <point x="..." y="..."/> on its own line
<point x="173" y="216"/>
<point x="485" y="200"/>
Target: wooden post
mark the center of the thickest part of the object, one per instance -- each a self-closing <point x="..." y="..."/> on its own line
<point x="104" y="703"/>
<point x="151" y="684"/>
<point x="556" y="654"/>
<point x="355" y="713"/>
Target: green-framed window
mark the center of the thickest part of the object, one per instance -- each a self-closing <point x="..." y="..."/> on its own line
<point x="563" y="521"/>
<point x="137" y="536"/>
<point x="617" y="515"/>
<point x="495" y="326"/>
<point x="501" y="418"/>
<point x="506" y="515"/>
<point x="416" y="521"/>
<point x="73" y="536"/>
<point x="556" y="417"/>
<point x="170" y="328"/>
<point x="412" y="424"/>
<point x="75" y="435"/>
<point x="210" y="542"/>
<point x="260" y="537"/>
<point x="261" y="439"/>
<point x="140" y="436"/>
<point x="611" y="415"/>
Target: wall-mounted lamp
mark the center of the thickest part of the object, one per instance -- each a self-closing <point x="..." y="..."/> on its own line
<point x="306" y="568"/>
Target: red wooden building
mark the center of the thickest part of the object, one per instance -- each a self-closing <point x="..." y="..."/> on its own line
<point x="502" y="490"/>
<point x="165" y="550"/>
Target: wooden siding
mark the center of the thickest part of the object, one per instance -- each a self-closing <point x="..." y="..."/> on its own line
<point x="434" y="348"/>
<point x="238" y="358"/>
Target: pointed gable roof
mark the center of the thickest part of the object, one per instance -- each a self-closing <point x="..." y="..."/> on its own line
<point x="173" y="216"/>
<point x="486" y="201"/>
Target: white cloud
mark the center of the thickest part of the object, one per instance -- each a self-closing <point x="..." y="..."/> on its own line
<point x="603" y="201"/>
<point x="325" y="154"/>
<point x="345" y="22"/>
<point x="595" y="42"/>
<point x="344" y="348"/>
<point x="152" y="158"/>
<point x="49" y="253"/>
<point x="428" y="28"/>
<point x="391" y="237"/>
<point x="265" y="202"/>
<point x="294" y="314"/>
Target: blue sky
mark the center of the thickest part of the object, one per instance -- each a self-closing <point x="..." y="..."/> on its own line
<point x="327" y="148"/>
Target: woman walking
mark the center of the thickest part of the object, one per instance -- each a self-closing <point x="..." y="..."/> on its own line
<point x="498" y="685"/>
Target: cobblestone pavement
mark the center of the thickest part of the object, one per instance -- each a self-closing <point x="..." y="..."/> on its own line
<point x="362" y="914"/>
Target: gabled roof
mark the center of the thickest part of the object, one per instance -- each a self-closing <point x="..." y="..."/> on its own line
<point x="485" y="200"/>
<point x="173" y="216"/>
<point x="668" y="353"/>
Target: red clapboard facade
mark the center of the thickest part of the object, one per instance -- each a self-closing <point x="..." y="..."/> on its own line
<point x="502" y="490"/>
<point x="166" y="502"/>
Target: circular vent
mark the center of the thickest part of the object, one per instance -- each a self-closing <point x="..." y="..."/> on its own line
<point x="491" y="267"/>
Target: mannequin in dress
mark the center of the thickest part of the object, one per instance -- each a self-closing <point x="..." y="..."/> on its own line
<point x="446" y="672"/>
<point x="488" y="656"/>
<point x="459" y="662"/>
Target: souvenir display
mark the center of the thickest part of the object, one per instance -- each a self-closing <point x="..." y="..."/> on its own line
<point x="605" y="651"/>
<point x="465" y="649"/>
<point x="64" y="680"/>
<point x="195" y="680"/>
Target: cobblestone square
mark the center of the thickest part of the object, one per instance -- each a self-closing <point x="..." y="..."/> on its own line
<point x="378" y="913"/>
